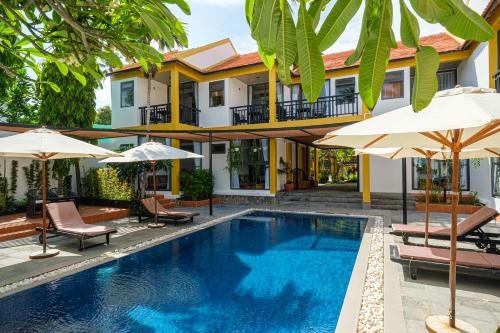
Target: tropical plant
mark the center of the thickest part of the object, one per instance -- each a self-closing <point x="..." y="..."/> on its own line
<point x="33" y="175"/>
<point x="278" y="37"/>
<point x="104" y="183"/>
<point x="78" y="36"/>
<point x="20" y="103"/>
<point x="103" y="115"/>
<point x="13" y="177"/>
<point x="60" y="171"/>
<point x="196" y="185"/>
<point x="234" y="157"/>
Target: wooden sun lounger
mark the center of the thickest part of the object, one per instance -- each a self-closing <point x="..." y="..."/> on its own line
<point x="437" y="259"/>
<point x="163" y="213"/>
<point x="468" y="230"/>
<point x="65" y="220"/>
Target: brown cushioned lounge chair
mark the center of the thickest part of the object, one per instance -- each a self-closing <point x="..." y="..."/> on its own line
<point x="437" y="259"/>
<point x="65" y="220"/>
<point x="468" y="230"/>
<point x="163" y="213"/>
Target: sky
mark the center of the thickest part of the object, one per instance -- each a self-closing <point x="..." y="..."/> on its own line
<point x="213" y="20"/>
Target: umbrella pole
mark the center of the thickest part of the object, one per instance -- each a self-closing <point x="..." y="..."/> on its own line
<point x="427" y="200"/>
<point x="52" y="252"/>
<point x="154" y="190"/>
<point x="453" y="238"/>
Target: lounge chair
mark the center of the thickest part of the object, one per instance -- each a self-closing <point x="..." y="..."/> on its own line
<point x="437" y="259"/>
<point x="468" y="230"/>
<point x="65" y="220"/>
<point x="163" y="213"/>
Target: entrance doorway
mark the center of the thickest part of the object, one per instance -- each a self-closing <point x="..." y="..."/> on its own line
<point x="338" y="169"/>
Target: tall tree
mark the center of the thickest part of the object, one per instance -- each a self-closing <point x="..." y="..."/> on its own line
<point x="278" y="36"/>
<point x="73" y="106"/>
<point x="103" y="116"/>
<point x="77" y="36"/>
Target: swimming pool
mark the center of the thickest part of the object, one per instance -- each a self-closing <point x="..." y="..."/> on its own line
<point x="268" y="272"/>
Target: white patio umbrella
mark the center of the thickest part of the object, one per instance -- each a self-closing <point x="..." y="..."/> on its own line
<point x="428" y="154"/>
<point x="45" y="144"/>
<point x="456" y="119"/>
<point x="152" y="152"/>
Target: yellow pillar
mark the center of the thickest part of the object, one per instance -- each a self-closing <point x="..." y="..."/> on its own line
<point x="272" y="95"/>
<point x="289" y="160"/>
<point x="176" y="170"/>
<point x="316" y="162"/>
<point x="493" y="59"/>
<point x="366" y="169"/>
<point x="273" y="166"/>
<point x="174" y="95"/>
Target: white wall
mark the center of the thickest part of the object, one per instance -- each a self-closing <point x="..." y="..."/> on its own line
<point x="475" y="70"/>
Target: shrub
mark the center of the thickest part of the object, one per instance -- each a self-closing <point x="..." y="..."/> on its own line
<point x="196" y="185"/>
<point x="104" y="183"/>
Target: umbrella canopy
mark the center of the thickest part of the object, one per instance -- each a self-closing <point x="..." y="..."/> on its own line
<point x="456" y="119"/>
<point x="51" y="144"/>
<point x="45" y="144"/>
<point x="472" y="110"/>
<point x="437" y="154"/>
<point x="151" y="151"/>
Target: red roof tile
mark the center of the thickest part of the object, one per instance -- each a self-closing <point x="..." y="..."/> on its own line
<point x="442" y="42"/>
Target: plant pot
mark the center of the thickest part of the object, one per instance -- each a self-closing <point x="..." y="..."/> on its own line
<point x="289" y="187"/>
<point x="199" y="203"/>
<point x="446" y="208"/>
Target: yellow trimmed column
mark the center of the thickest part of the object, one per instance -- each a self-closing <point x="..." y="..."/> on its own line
<point x="174" y="95"/>
<point x="273" y="166"/>
<point x="272" y="95"/>
<point x="316" y="167"/>
<point x="176" y="170"/>
<point x="289" y="161"/>
<point x="365" y="160"/>
<point x="493" y="58"/>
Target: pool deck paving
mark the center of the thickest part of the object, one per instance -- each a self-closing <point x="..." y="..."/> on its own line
<point x="406" y="302"/>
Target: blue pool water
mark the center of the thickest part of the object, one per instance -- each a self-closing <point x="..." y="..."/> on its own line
<point x="266" y="273"/>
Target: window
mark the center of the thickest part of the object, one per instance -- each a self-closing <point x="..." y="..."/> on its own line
<point x="495" y="175"/>
<point x="253" y="171"/>
<point x="393" y="85"/>
<point x="441" y="172"/>
<point x="218" y="148"/>
<point x="127" y="94"/>
<point x="216" y="93"/>
<point x="345" y="89"/>
<point x="297" y="91"/>
<point x="258" y="94"/>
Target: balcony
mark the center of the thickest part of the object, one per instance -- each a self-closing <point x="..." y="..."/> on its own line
<point x="496" y="77"/>
<point x="161" y="114"/>
<point x="250" y="114"/>
<point x="324" y="107"/>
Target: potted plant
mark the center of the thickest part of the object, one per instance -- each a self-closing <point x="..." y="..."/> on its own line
<point x="197" y="186"/>
<point x="285" y="169"/>
<point x="234" y="157"/>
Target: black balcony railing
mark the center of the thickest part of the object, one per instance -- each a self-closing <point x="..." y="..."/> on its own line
<point x="161" y="114"/>
<point x="496" y="77"/>
<point x="189" y="115"/>
<point x="250" y="114"/>
<point x="324" y="107"/>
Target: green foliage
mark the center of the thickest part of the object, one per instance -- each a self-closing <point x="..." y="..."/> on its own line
<point x="19" y="100"/>
<point x="13" y="178"/>
<point x="374" y="43"/>
<point x="196" y="185"/>
<point x="104" y="183"/>
<point x="60" y="170"/>
<point x="86" y="34"/>
<point x="74" y="106"/>
<point x="33" y="175"/>
<point x="426" y="83"/>
<point x="103" y="116"/>
<point x="234" y="157"/>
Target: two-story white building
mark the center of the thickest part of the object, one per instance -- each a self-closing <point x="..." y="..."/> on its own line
<point x="213" y="90"/>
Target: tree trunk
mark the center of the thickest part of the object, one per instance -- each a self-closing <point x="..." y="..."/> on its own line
<point x="148" y="105"/>
<point x="78" y="177"/>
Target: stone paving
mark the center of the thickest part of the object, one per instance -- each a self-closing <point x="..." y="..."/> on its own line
<point x="478" y="300"/>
